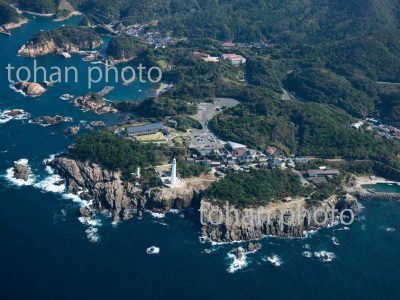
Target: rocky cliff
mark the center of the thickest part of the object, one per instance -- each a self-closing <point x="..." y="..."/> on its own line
<point x="221" y="223"/>
<point x="106" y="191"/>
<point x="34" y="50"/>
<point x="103" y="189"/>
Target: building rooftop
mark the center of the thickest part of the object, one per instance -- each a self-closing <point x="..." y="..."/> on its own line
<point x="236" y="146"/>
<point x="140" y="128"/>
<point x="323" y="172"/>
<point x="232" y="57"/>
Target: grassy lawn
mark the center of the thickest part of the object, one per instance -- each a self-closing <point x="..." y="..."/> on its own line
<point x="151" y="138"/>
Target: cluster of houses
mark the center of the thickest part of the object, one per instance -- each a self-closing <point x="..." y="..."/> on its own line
<point x="386" y="131"/>
<point x="239" y="157"/>
<point x="260" y="45"/>
<point x="234" y="59"/>
<point x="153" y="38"/>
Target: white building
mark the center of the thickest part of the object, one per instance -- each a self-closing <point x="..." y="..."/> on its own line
<point x="172" y="178"/>
<point x="235" y="59"/>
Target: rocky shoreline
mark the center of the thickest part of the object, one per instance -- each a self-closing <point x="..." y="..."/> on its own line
<point x="105" y="191"/>
<point x="284" y="219"/>
<point x="10" y="26"/>
<point x="51" y="47"/>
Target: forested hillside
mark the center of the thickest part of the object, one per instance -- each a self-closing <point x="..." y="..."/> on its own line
<point x="7" y="14"/>
<point x="332" y="54"/>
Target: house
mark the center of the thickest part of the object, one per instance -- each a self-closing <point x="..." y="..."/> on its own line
<point x="236" y="148"/>
<point x="277" y="164"/>
<point x="144" y="129"/>
<point x="271" y="150"/>
<point x="357" y="125"/>
<point x="322" y="173"/>
<point x="235" y="59"/>
<point x="228" y="45"/>
<point x="318" y="180"/>
<point x="290" y="163"/>
<point x="211" y="59"/>
<point x="172" y="123"/>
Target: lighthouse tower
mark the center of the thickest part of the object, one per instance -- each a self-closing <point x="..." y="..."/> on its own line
<point x="172" y="179"/>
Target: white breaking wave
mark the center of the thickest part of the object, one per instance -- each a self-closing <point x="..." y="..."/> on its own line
<point x="20" y="182"/>
<point x="53" y="184"/>
<point x="307" y="254"/>
<point x="237" y="263"/>
<point x="325" y="255"/>
<point x="17" y="90"/>
<point x="6" y="117"/>
<point x="92" y="232"/>
<point x="157" y="215"/>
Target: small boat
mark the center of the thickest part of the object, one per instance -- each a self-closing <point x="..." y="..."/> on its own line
<point x="6" y="32"/>
<point x="153" y="250"/>
<point x="274" y="260"/>
<point x="335" y="241"/>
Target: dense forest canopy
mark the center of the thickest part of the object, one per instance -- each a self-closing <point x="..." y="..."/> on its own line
<point x="7" y="14"/>
<point x="77" y="36"/>
<point x="256" y="187"/>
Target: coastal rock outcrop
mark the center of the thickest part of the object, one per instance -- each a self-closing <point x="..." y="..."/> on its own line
<point x="51" y="120"/>
<point x="34" y="50"/>
<point x="165" y="199"/>
<point x="22" y="171"/>
<point x="31" y="89"/>
<point x="94" y="103"/>
<point x="105" y="189"/>
<point x="73" y="130"/>
<point x="221" y="223"/>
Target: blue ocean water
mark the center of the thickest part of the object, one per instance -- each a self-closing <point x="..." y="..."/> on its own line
<point x="47" y="253"/>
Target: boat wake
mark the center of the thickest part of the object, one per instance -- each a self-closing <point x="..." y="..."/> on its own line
<point x="153" y="250"/>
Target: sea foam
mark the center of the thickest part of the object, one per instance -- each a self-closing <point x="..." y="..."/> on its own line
<point x="20" y="182"/>
<point x="237" y="263"/>
<point x="6" y="117"/>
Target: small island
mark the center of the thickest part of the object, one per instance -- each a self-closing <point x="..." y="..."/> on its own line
<point x="94" y="102"/>
<point x="63" y="40"/>
<point x="30" y="89"/>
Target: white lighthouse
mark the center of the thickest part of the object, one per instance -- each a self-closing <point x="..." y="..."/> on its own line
<point x="172" y="179"/>
<point x="138" y="173"/>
